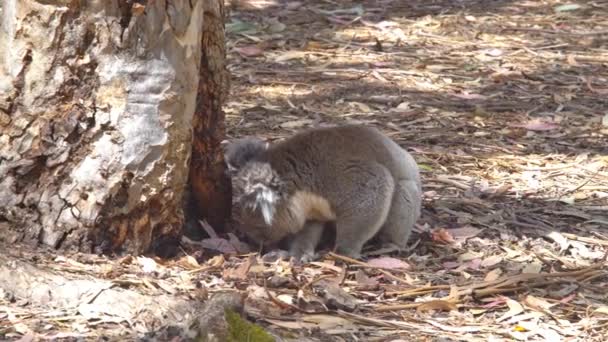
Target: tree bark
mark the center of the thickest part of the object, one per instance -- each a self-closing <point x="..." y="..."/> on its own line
<point x="96" y="105"/>
<point x="211" y="192"/>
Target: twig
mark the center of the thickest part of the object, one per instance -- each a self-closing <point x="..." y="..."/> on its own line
<point x="585" y="239"/>
<point x="589" y="33"/>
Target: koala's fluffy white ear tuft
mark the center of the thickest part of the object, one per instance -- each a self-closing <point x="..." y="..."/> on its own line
<point x="266" y="200"/>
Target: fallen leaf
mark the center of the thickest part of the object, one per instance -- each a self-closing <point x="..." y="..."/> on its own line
<point x="468" y="256"/>
<point x="494" y="303"/>
<point x="286" y="298"/>
<point x="549" y="335"/>
<point x="362" y="279"/>
<point x="361" y="106"/>
<point x="470" y="96"/>
<point x="358" y="10"/>
<point x="580" y="249"/>
<point x="442" y="235"/>
<point x="188" y="262"/>
<point x="567" y="7"/>
<point x="296" y="123"/>
<point x="249" y="51"/>
<point x="289" y="55"/>
<point x="532" y="267"/>
<point x="335" y="297"/>
<point x="560" y="239"/>
<point x="602" y="310"/>
<point x="491" y="261"/>
<point x="240" y="272"/>
<point x="494" y="52"/>
<point x="464" y="233"/>
<point x="451" y="264"/>
<point x="388" y="263"/>
<point x="147" y="265"/>
<point x="238" y="26"/>
<point x="514" y="309"/>
<point x="436" y="305"/>
<point x="493" y="274"/>
<point x="537" y="125"/>
<point x="216" y="261"/>
<point x="571" y="60"/>
<point x="538" y="304"/>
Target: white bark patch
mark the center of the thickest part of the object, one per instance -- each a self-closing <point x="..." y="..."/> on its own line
<point x="101" y="109"/>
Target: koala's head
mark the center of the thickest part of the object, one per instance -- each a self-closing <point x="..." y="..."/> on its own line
<point x="258" y="189"/>
<point x="241" y="151"/>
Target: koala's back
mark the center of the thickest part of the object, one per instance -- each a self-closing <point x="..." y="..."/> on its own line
<point x="312" y="159"/>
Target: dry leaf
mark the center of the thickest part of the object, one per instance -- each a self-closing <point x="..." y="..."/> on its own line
<point x="514" y="309"/>
<point x="188" y="262"/>
<point x="491" y="261"/>
<point x="537" y="303"/>
<point x="602" y="310"/>
<point x="436" y="305"/>
<point x="148" y="265"/>
<point x="216" y="261"/>
<point x="388" y="263"/>
<point x="335" y="297"/>
<point x="296" y="123"/>
<point x="560" y="239"/>
<point x="289" y="55"/>
<point x="537" y="125"/>
<point x="362" y="279"/>
<point x="464" y="233"/>
<point x="493" y="275"/>
<point x="240" y="272"/>
<point x="533" y="267"/>
<point x="249" y="51"/>
<point x="442" y="235"/>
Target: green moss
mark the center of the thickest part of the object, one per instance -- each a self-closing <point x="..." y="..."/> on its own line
<point x="242" y="331"/>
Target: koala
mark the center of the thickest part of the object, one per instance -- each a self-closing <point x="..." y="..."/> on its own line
<point x="352" y="176"/>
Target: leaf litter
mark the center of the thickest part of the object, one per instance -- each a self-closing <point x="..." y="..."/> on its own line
<point x="501" y="103"/>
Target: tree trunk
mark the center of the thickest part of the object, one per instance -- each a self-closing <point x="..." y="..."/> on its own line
<point x="211" y="192"/>
<point x="96" y="107"/>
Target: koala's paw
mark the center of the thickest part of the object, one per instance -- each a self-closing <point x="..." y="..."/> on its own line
<point x="305" y="258"/>
<point x="275" y="255"/>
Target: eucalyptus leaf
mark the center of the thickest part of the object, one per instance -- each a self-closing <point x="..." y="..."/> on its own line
<point x="567" y="7"/>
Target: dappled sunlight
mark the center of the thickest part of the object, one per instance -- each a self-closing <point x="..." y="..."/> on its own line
<point x="502" y="104"/>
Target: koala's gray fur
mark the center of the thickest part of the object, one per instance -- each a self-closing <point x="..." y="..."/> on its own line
<point x="352" y="175"/>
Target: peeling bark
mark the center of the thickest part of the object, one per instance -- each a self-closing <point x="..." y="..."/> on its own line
<point x="96" y="105"/>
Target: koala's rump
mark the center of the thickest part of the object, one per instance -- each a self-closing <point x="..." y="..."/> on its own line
<point x="314" y="160"/>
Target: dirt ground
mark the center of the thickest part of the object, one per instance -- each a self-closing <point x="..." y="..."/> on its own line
<point x="504" y="105"/>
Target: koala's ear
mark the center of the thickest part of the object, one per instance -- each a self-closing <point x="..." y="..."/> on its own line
<point x="240" y="151"/>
